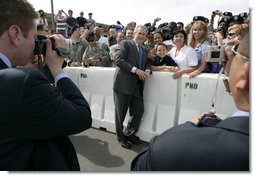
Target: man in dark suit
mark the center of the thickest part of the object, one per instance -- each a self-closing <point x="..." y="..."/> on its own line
<point x="200" y="145"/>
<point x="35" y="118"/>
<point x="131" y="72"/>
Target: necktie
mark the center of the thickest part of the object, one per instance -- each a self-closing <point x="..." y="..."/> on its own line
<point x="140" y="56"/>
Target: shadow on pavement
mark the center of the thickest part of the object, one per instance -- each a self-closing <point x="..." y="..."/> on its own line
<point x="96" y="151"/>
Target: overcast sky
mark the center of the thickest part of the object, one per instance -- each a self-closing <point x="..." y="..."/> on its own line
<point x="143" y="11"/>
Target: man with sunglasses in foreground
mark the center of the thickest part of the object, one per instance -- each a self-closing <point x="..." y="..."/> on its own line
<point x="208" y="143"/>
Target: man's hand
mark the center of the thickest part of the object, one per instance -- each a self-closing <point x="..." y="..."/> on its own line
<point x="177" y="74"/>
<point x="142" y="74"/>
<point x="52" y="60"/>
<point x="196" y="119"/>
<point x="157" y="19"/>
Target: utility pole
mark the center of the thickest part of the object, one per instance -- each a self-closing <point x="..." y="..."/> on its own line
<point x="52" y="15"/>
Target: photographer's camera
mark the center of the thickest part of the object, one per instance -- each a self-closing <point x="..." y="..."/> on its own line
<point x="40" y="49"/>
<point x="208" y="120"/>
<point x="40" y="46"/>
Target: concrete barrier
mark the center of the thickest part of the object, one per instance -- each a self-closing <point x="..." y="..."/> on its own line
<point x="196" y="97"/>
<point x="168" y="102"/>
<point x="160" y="95"/>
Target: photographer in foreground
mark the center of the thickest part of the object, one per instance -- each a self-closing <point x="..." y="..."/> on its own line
<point x="207" y="143"/>
<point x="36" y="119"/>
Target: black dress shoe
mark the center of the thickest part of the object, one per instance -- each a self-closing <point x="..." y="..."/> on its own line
<point x="134" y="139"/>
<point x="125" y="144"/>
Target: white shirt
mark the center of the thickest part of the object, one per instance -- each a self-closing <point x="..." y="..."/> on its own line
<point x="103" y="40"/>
<point x="241" y="113"/>
<point x="5" y="60"/>
<point x="186" y="58"/>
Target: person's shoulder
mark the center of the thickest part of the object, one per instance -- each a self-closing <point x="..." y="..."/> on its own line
<point x="102" y="45"/>
<point x="172" y="50"/>
<point x="115" y="46"/>
<point x="127" y="43"/>
<point x="31" y="72"/>
<point x="239" y="124"/>
<point x="187" y="130"/>
<point x="168" y="57"/>
<point x="23" y="73"/>
<point x="188" y="48"/>
<point x="205" y="44"/>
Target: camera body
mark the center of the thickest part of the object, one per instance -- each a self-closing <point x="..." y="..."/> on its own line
<point x="215" y="53"/>
<point x="40" y="49"/>
<point x="208" y="120"/>
<point x="40" y="45"/>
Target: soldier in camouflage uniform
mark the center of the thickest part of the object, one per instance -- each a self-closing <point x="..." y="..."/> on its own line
<point x="96" y="54"/>
<point x="77" y="47"/>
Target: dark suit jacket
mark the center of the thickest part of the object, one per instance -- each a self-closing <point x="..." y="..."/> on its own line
<point x="224" y="147"/>
<point x="35" y="121"/>
<point x="126" y="81"/>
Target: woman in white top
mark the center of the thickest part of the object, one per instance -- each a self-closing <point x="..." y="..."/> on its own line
<point x="183" y="55"/>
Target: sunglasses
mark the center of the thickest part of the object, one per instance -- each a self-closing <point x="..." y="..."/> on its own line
<point x="231" y="34"/>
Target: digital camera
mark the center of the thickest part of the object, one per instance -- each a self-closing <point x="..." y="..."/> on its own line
<point x="40" y="45"/>
<point x="40" y="49"/>
<point x="208" y="120"/>
<point x="215" y="54"/>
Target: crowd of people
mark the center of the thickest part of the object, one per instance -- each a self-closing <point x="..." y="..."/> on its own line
<point x="199" y="35"/>
<point x="35" y="125"/>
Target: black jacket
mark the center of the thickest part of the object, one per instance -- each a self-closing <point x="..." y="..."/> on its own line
<point x="36" y="119"/>
<point x="224" y="147"/>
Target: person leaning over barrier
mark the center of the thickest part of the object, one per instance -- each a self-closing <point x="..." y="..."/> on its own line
<point x="203" y="145"/>
<point x="35" y="119"/>
<point x="132" y="69"/>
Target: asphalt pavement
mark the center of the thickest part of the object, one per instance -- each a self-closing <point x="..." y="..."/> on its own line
<point x="99" y="151"/>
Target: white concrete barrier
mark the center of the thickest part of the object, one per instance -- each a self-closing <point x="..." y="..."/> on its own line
<point x="98" y="83"/>
<point x="196" y="97"/>
<point x="72" y="73"/>
<point x="160" y="94"/>
<point x="168" y="102"/>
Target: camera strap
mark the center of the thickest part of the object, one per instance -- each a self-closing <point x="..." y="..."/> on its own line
<point x="214" y="97"/>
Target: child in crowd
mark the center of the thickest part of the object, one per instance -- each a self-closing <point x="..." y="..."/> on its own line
<point x="163" y="62"/>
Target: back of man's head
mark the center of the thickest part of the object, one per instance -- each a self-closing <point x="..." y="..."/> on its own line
<point x="17" y="12"/>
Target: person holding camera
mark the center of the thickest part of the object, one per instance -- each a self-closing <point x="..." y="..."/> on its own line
<point x="61" y="25"/>
<point x="36" y="118"/>
<point x="207" y="143"/>
<point x="42" y="18"/>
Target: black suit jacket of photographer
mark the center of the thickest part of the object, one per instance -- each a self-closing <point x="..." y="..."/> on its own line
<point x="186" y="147"/>
<point x="35" y="121"/>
